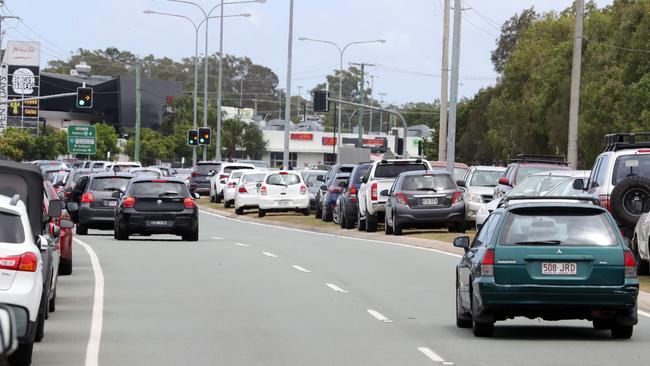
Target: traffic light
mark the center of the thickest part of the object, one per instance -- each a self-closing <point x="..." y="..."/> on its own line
<point x="205" y="136"/>
<point x="84" y="97"/>
<point x="321" y="101"/>
<point x="193" y="137"/>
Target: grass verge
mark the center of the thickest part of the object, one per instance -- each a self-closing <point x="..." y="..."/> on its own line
<point x="644" y="282"/>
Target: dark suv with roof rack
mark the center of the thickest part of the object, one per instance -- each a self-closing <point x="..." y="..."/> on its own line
<point x="524" y="165"/>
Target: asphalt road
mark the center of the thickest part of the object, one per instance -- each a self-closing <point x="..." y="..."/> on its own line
<point x="250" y="294"/>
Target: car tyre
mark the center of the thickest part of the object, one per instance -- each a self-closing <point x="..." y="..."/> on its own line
<point x="212" y="199"/>
<point x="388" y="229"/>
<point x="120" y="234"/>
<point x="239" y="211"/>
<point x="319" y="211"/>
<point x="457" y="227"/>
<point x="371" y="223"/>
<point x="65" y="267"/>
<point x="622" y="331"/>
<point x="192" y="235"/>
<point x="217" y="199"/>
<point x="226" y="204"/>
<point x="52" y="304"/>
<point x="642" y="266"/>
<point x="82" y="229"/>
<point x="305" y="211"/>
<point x="22" y="356"/>
<point x="40" y="319"/>
<point x="343" y="221"/>
<point x="327" y="215"/>
<point x="397" y="228"/>
<point x="361" y="223"/>
<point x="261" y="213"/>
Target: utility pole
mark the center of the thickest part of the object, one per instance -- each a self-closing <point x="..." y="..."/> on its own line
<point x="372" y="91"/>
<point x="255" y="107"/>
<point x="279" y="103"/>
<point x="362" y="96"/>
<point x="381" y="114"/>
<point x="444" y="86"/>
<point x="453" y="102"/>
<point x="219" y="85"/>
<point x="299" y="101"/>
<point x="287" y="111"/>
<point x="138" y="90"/>
<point x="574" y="107"/>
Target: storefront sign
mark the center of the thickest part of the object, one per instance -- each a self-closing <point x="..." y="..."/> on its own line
<point x="302" y="136"/>
<point x="329" y="141"/>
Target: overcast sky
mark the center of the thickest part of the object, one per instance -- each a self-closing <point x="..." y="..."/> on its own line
<point x="408" y="64"/>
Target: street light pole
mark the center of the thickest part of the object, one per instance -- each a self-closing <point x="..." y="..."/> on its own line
<point x="287" y="110"/>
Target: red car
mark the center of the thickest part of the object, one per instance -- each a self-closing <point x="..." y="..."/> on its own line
<point x="460" y="169"/>
<point x="65" y="238"/>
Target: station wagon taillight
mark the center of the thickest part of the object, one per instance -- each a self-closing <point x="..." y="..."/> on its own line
<point x="373" y="192"/>
<point x="630" y="265"/>
<point x="26" y="262"/>
<point x="604" y="202"/>
<point x="303" y="190"/>
<point x="88" y="198"/>
<point x="129" y="202"/>
<point x="223" y="176"/>
<point x="487" y="264"/>
<point x="188" y="202"/>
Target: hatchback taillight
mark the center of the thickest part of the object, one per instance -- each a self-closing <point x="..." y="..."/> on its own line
<point x="487" y="264"/>
<point x="129" y="202"/>
<point x="88" y="198"/>
<point x="263" y="191"/>
<point x="373" y="192"/>
<point x="401" y="198"/>
<point x="242" y="189"/>
<point x="457" y="197"/>
<point x="188" y="202"/>
<point x="303" y="190"/>
<point x="26" y="262"/>
<point x="630" y="265"/>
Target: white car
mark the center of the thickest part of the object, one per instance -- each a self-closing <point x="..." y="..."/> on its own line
<point x="121" y="166"/>
<point x="21" y="277"/>
<point x="640" y="244"/>
<point x="146" y="172"/>
<point x="220" y="177"/>
<point x="246" y="194"/>
<point x="479" y="188"/>
<point x="231" y="187"/>
<point x="283" y="191"/>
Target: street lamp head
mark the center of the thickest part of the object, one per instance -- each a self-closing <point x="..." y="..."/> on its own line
<point x="245" y="15"/>
<point x="148" y="11"/>
<point x="302" y="38"/>
<point x="381" y="40"/>
<point x="261" y="1"/>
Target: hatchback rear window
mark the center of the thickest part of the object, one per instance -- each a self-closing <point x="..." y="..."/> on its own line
<point x="428" y="182"/>
<point x="158" y="189"/>
<point x="11" y="229"/>
<point x="568" y="227"/>
<point x="283" y="179"/>
<point x="109" y="184"/>
<point x="229" y="169"/>
<point x="205" y="169"/>
<point x="631" y="166"/>
<point x="393" y="170"/>
<point x="248" y="178"/>
<point x="146" y="173"/>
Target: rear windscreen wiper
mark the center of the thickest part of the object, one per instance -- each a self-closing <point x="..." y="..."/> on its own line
<point x="539" y="242"/>
<point x="168" y="194"/>
<point x="427" y="189"/>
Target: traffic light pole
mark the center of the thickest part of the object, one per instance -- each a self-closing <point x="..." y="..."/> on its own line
<point x="53" y="96"/>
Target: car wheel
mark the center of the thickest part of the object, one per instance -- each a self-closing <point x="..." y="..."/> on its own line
<point x="40" y="319"/>
<point x="319" y="211"/>
<point x="65" y="267"/>
<point x="82" y="229"/>
<point x="397" y="228"/>
<point x="388" y="229"/>
<point x="361" y="223"/>
<point x="261" y="213"/>
<point x="371" y="223"/>
<point x="212" y="199"/>
<point x="343" y="221"/>
<point x="463" y="319"/>
<point x="226" y="204"/>
<point x="217" y="199"/>
<point x="622" y="331"/>
<point x="120" y="234"/>
<point x="22" y="356"/>
<point x="629" y="199"/>
<point x="239" y="211"/>
<point x="52" y="305"/>
<point x="327" y="215"/>
<point x="642" y="266"/>
<point x="349" y="223"/>
<point x="192" y="235"/>
<point x="481" y="329"/>
<point x="305" y="212"/>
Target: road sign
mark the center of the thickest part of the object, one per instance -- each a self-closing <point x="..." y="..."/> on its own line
<point x="82" y="140"/>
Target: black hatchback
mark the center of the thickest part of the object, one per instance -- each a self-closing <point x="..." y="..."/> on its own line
<point x="156" y="206"/>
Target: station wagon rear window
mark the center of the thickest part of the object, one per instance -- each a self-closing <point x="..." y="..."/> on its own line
<point x="151" y="188"/>
<point x="393" y="170"/>
<point x="11" y="229"/>
<point x="631" y="166"/>
<point x="569" y="227"/>
<point x="428" y="182"/>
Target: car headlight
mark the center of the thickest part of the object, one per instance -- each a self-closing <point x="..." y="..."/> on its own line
<point x="483" y="210"/>
<point x="475" y="198"/>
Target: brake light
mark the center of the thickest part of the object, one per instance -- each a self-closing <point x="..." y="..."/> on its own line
<point x="303" y="190"/>
<point x="283" y="173"/>
<point x="223" y="176"/>
<point x="88" y="198"/>
<point x="352" y="191"/>
<point x="231" y="185"/>
<point x="27" y="262"/>
<point x="263" y="191"/>
<point x="604" y="201"/>
<point x="129" y="202"/>
<point x="644" y="151"/>
<point x="242" y="189"/>
<point x="195" y="174"/>
<point x="630" y="265"/>
<point x="457" y="197"/>
<point x="159" y="181"/>
<point x="188" y="202"/>
<point x="401" y="198"/>
<point x="373" y="192"/>
<point x="487" y="264"/>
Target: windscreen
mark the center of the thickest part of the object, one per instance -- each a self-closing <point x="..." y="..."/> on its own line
<point x="256" y="178"/>
<point x="109" y="183"/>
<point x="565" y="189"/>
<point x="631" y="166"/>
<point x="158" y="189"/>
<point x="537" y="185"/>
<point x="339" y="180"/>
<point x="11" y="228"/>
<point x="570" y="227"/>
<point x="485" y="178"/>
<point x="236" y="175"/>
<point x="428" y="182"/>
<point x="393" y="170"/>
<point x="283" y="179"/>
<point x="229" y="169"/>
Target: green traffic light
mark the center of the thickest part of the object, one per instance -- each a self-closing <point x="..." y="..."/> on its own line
<point x="82" y="103"/>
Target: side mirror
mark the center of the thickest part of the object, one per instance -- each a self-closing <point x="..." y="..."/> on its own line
<point x="212" y="172"/>
<point x="8" y="336"/>
<point x="343" y="184"/>
<point x="323" y="187"/>
<point x="384" y="192"/>
<point x="462" y="242"/>
<point x="196" y="196"/>
<point x="42" y="243"/>
<point x="504" y="181"/>
<point x="55" y="208"/>
<point x="55" y="230"/>
<point x="579" y="184"/>
<point x="461" y="183"/>
<point x="72" y="206"/>
<point x="66" y="224"/>
<point x="116" y="194"/>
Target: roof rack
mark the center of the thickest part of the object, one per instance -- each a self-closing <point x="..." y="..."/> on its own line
<point x="631" y="140"/>
<point x="505" y="200"/>
<point x="547" y="159"/>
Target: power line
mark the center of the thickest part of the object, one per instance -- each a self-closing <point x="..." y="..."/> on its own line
<point x="616" y="47"/>
<point x="36" y="33"/>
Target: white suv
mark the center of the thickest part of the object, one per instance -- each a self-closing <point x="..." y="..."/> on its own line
<point x="381" y="177"/>
<point x="283" y="191"/>
<point x="21" y="278"/>
<point x="220" y="178"/>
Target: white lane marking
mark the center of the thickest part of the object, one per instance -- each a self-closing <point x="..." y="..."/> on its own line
<point x="432" y="355"/>
<point x="243" y="245"/>
<point x="269" y="254"/>
<point x="94" y="340"/>
<point x="335" y="288"/>
<point x="643" y="313"/>
<point x="336" y="235"/>
<point x="379" y="316"/>
<point x="301" y="269"/>
<point x="217" y="238"/>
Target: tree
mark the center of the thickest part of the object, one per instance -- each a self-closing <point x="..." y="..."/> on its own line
<point x="254" y="143"/>
<point x="232" y="136"/>
<point x="16" y="144"/>
<point x="106" y="141"/>
<point x="510" y="32"/>
<point x="153" y="147"/>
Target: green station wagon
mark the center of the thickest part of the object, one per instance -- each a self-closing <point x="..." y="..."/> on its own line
<point x="553" y="258"/>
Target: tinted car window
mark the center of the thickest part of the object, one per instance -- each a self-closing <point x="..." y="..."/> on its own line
<point x="427" y="182"/>
<point x="568" y="227"/>
<point x="536" y="185"/>
<point x="13" y="184"/>
<point x="283" y="179"/>
<point x="158" y="189"/>
<point x="361" y="171"/>
<point x="229" y="169"/>
<point x="336" y="181"/>
<point x="109" y="183"/>
<point x="205" y="169"/>
<point x="11" y="228"/>
<point x="393" y="170"/>
<point x="631" y="166"/>
<point x="248" y="178"/>
<point x="485" y="178"/>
